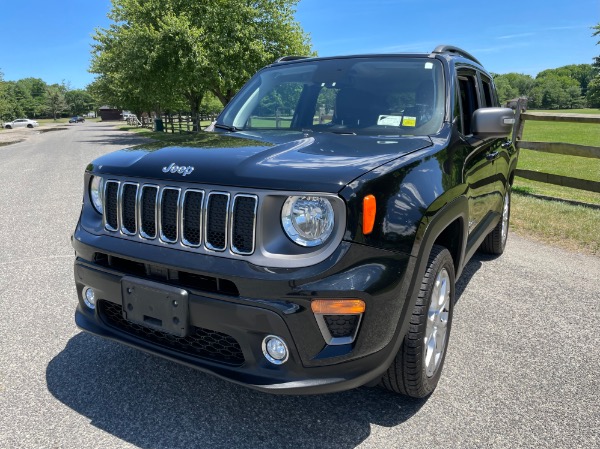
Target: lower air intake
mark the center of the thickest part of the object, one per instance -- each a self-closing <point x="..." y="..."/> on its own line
<point x="341" y="325"/>
<point x="201" y="343"/>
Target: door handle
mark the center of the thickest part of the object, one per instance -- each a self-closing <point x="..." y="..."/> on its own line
<point x="492" y="156"/>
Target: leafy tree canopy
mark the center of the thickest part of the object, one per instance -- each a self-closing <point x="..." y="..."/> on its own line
<point x="34" y="98"/>
<point x="55" y="100"/>
<point x="593" y="90"/>
<point x="561" y="88"/>
<point x="79" y="101"/>
<point x="582" y="73"/>
<point x="158" y="53"/>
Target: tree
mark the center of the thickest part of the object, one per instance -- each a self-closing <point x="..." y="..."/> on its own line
<point x="243" y="36"/>
<point x="79" y="101"/>
<point x="3" y="99"/>
<point x="556" y="92"/>
<point x="513" y="85"/>
<point x="158" y="53"/>
<point x="593" y="92"/>
<point x="596" y="62"/>
<point x="210" y="105"/>
<point x="10" y="108"/>
<point x="55" y="99"/>
<point x="582" y="73"/>
<point x="33" y="96"/>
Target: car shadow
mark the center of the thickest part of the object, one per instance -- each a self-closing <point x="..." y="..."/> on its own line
<point x="469" y="271"/>
<point x="151" y="402"/>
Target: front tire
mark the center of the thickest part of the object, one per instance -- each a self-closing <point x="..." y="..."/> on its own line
<point x="29" y="126"/>
<point x="417" y="368"/>
<point x="8" y="127"/>
<point x="495" y="241"/>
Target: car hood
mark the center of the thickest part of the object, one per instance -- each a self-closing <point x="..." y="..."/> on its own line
<point x="320" y="162"/>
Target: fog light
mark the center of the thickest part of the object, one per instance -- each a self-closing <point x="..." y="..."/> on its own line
<point x="89" y="298"/>
<point x="275" y="350"/>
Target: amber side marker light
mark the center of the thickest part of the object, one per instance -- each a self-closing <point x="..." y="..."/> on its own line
<point x="337" y="306"/>
<point x="369" y="209"/>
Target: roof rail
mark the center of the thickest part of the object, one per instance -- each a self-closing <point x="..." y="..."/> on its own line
<point x="290" y="58"/>
<point x="459" y="51"/>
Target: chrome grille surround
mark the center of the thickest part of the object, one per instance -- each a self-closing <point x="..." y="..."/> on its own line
<point x="169" y="226"/>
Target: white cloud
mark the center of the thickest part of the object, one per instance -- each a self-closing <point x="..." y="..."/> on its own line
<point x="514" y="36"/>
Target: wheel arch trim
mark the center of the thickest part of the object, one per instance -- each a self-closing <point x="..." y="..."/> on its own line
<point x="430" y="230"/>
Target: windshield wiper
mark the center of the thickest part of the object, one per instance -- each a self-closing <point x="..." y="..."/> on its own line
<point x="227" y="127"/>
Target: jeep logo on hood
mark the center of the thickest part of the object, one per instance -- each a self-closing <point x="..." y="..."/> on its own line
<point x="182" y="170"/>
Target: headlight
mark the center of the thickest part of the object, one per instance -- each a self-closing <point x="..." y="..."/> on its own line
<point x="307" y="220"/>
<point x="96" y="193"/>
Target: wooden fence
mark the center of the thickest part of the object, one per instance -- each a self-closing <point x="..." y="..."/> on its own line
<point x="172" y="123"/>
<point x="568" y="149"/>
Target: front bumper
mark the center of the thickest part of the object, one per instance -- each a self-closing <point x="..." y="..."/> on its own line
<point x="263" y="302"/>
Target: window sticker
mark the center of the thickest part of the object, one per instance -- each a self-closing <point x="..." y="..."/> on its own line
<point x="429" y="65"/>
<point x="389" y="120"/>
<point x="409" y="121"/>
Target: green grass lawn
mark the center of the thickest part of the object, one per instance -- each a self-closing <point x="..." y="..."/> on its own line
<point x="554" y="222"/>
<point x="575" y="167"/>
<point x="270" y="122"/>
<point x="49" y="121"/>
<point x="558" y="164"/>
<point x="579" y="133"/>
<point x="570" y="111"/>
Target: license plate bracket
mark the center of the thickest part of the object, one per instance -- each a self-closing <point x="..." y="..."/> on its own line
<point x="157" y="306"/>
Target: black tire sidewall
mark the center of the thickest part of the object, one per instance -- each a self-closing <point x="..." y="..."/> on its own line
<point x="442" y="260"/>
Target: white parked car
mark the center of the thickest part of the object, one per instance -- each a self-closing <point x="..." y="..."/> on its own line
<point x="21" y="123"/>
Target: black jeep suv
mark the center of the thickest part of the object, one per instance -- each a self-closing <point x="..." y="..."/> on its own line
<point x="309" y="242"/>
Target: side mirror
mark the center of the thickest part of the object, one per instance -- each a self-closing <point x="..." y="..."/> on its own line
<point x="493" y="122"/>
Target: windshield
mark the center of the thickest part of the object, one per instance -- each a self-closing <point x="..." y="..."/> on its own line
<point x="364" y="95"/>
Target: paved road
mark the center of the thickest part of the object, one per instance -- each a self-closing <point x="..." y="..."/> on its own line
<point x="523" y="368"/>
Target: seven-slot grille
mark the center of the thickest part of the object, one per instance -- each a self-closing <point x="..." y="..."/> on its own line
<point x="218" y="220"/>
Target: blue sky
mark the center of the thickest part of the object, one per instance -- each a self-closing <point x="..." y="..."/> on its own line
<point x="51" y="40"/>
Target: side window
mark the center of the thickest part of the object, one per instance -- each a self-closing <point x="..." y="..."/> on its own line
<point x="276" y="109"/>
<point x="469" y="100"/>
<point x="486" y="84"/>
